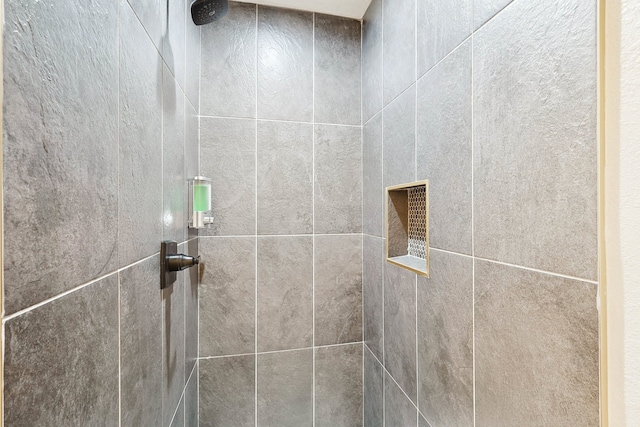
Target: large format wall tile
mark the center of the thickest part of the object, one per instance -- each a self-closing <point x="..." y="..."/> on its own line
<point x="444" y="149"/>
<point x="338" y="289"/>
<point x="445" y="340"/>
<point x="338" y="179"/>
<point x="373" y="194"/>
<point x="173" y="152"/>
<point x="229" y="64"/>
<point x="372" y="60"/>
<point x="153" y="15"/>
<point x="191" y="159"/>
<point x="227" y="295"/>
<point x="535" y="153"/>
<point x="400" y="326"/>
<point x="61" y="360"/>
<point x="399" y="145"/>
<point x="285" y="293"/>
<point x="372" y="390"/>
<point x="442" y="25"/>
<point x="178" y="416"/>
<point x="192" y="59"/>
<point x="536" y="348"/>
<point x="483" y="10"/>
<point x="140" y="204"/>
<point x="398" y="47"/>
<point x="141" y="344"/>
<point x="285" y="64"/>
<point x="398" y="409"/>
<point x="285" y="389"/>
<point x="191" y="317"/>
<point x="338" y="386"/>
<point x="59" y="147"/>
<point x="191" y="399"/>
<point x="372" y="293"/>
<point x="173" y="340"/>
<point x="337" y="70"/>
<point x="173" y="40"/>
<point x="285" y="178"/>
<point x="227" y="391"/>
<point x="228" y="157"/>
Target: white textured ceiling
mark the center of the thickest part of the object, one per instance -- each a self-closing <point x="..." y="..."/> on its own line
<point x="348" y="8"/>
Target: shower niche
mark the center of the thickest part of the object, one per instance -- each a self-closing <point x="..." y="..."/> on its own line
<point x="407" y="218"/>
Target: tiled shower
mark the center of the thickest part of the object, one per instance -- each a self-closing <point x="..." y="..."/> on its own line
<point x="301" y="120"/>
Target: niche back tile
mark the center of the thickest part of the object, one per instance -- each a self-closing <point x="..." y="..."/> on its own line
<point x="285" y="178"/>
<point x="444" y="149"/>
<point x="338" y="179"/>
<point x="337" y="70"/>
<point x="47" y="380"/>
<point x="442" y="25"/>
<point x="228" y="157"/>
<point x="227" y="296"/>
<point x="229" y="64"/>
<point x="536" y="340"/>
<point x="372" y="61"/>
<point x="338" y="386"/>
<point x="285" y="64"/>
<point x="191" y="399"/>
<point x="141" y="344"/>
<point x="535" y="157"/>
<point x="60" y="155"/>
<point x="227" y="391"/>
<point x="191" y="160"/>
<point x="399" y="47"/>
<point x="285" y="293"/>
<point x="192" y="59"/>
<point x="285" y="388"/>
<point x="140" y="204"/>
<point x="338" y="289"/>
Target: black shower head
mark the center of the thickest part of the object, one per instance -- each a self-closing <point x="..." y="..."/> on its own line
<point x="205" y="11"/>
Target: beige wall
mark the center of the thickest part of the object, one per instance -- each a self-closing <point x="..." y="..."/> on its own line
<point x="622" y="207"/>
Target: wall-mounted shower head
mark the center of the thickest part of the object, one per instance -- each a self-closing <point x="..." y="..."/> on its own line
<point x="205" y="11"/>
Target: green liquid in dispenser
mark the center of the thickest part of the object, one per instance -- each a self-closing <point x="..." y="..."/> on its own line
<point x="201" y="202"/>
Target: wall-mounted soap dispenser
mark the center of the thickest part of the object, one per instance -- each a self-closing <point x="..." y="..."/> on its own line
<point x="200" y="202"/>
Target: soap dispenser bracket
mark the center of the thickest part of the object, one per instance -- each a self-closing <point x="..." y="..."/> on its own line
<point x="171" y="262"/>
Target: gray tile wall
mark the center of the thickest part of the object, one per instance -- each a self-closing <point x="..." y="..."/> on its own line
<point x="100" y="130"/>
<point x="281" y="296"/>
<point x="501" y="118"/>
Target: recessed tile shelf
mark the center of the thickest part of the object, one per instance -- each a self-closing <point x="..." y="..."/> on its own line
<point x="408" y="226"/>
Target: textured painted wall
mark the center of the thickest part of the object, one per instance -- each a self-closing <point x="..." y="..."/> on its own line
<point x="621" y="195"/>
<point x="100" y="129"/>
<point x="281" y="293"/>
<point x="495" y="103"/>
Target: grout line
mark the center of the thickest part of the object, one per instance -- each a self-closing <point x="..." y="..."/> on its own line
<point x="70" y="291"/>
<point x="280" y="121"/>
<point x="281" y="351"/>
<point x="383" y="269"/>
<point x="521" y="267"/>
<point x="255" y="281"/>
<point x="119" y="13"/>
<point x="239" y="236"/>
<point x="313" y="222"/>
<point x="473" y="273"/>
